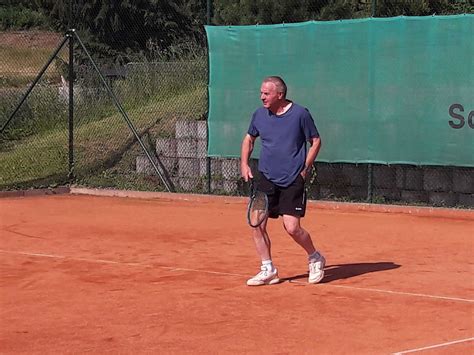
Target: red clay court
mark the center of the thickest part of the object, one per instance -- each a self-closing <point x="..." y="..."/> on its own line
<point x="166" y="274"/>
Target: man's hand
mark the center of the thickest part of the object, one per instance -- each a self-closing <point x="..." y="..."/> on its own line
<point x="246" y="172"/>
<point x="306" y="173"/>
<point x="313" y="151"/>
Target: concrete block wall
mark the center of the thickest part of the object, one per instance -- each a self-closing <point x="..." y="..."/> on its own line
<point x="439" y="186"/>
<point x="184" y="156"/>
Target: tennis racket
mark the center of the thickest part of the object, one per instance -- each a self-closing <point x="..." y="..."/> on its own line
<point x="257" y="210"/>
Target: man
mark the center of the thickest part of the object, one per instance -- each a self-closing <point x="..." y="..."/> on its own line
<point x="284" y="127"/>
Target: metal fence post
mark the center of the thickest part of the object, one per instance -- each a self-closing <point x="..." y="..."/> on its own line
<point x="70" y="34"/>
<point x="370" y="183"/>
<point x="208" y="159"/>
<point x="208" y="12"/>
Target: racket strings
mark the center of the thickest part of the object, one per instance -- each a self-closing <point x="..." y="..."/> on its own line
<point x="258" y="208"/>
<point x="259" y="201"/>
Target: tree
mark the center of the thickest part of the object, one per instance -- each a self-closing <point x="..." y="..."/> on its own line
<point x="250" y="12"/>
<point x="114" y="28"/>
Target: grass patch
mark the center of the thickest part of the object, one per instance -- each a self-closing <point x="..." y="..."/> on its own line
<point x="99" y="144"/>
<point x="34" y="147"/>
<point x="24" y="54"/>
<point x="34" y="159"/>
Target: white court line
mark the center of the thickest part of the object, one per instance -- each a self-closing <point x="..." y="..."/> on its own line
<point x="397" y="292"/>
<point x="434" y="346"/>
<point x="233" y="274"/>
<point x="53" y="256"/>
<point x="102" y="261"/>
<point x="203" y="271"/>
<point x="407" y="293"/>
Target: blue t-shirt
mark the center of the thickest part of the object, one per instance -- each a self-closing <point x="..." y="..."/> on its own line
<point x="283" y="138"/>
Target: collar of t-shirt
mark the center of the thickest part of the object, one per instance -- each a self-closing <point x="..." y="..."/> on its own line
<point x="286" y="109"/>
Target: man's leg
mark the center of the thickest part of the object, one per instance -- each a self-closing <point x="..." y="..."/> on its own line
<point x="262" y="241"/>
<point x="301" y="236"/>
<point x="268" y="274"/>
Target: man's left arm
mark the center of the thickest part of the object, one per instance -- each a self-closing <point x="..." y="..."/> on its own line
<point x="313" y="151"/>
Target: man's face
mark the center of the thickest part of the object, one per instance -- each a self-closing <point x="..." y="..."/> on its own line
<point x="269" y="95"/>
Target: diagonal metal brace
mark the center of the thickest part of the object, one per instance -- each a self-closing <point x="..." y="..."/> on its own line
<point x="33" y="84"/>
<point x="123" y="113"/>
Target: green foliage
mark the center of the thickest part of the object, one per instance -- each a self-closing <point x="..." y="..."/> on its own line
<point x="119" y="28"/>
<point x="116" y="30"/>
<point x="245" y="12"/>
<point x="113" y="30"/>
<point x="388" y="8"/>
<point x="229" y="12"/>
<point x="249" y="12"/>
<point x="18" y="17"/>
<point x="338" y="10"/>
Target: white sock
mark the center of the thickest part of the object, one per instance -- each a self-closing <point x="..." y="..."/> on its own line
<point x="313" y="257"/>
<point x="268" y="264"/>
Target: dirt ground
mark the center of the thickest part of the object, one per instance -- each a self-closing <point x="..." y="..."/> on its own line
<point x="90" y="274"/>
<point x="30" y="39"/>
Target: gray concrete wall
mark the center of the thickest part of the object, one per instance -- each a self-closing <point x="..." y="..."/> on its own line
<point x="439" y="186"/>
<point x="184" y="156"/>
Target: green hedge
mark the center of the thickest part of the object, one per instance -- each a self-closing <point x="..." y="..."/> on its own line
<point x="18" y="17"/>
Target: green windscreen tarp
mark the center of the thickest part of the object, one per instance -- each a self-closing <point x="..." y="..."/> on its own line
<point x="396" y="90"/>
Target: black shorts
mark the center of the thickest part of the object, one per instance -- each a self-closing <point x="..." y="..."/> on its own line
<point x="289" y="200"/>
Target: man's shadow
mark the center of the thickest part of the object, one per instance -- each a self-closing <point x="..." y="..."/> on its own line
<point x="345" y="271"/>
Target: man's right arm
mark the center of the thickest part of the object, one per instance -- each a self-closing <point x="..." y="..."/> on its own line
<point x="247" y="148"/>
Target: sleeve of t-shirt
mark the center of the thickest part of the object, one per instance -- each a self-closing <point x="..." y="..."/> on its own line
<point x="253" y="131"/>
<point x="309" y="127"/>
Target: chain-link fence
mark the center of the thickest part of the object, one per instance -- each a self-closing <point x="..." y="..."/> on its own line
<point x="141" y="70"/>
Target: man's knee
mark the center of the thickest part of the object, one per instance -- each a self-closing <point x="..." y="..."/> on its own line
<point x="292" y="226"/>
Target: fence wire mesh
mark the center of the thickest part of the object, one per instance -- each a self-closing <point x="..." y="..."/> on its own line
<point x="153" y="57"/>
<point x="34" y="146"/>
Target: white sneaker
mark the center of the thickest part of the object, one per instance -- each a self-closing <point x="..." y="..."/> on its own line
<point x="264" y="277"/>
<point x="316" y="269"/>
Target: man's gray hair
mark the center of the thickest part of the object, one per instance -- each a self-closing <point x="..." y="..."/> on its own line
<point x="279" y="83"/>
